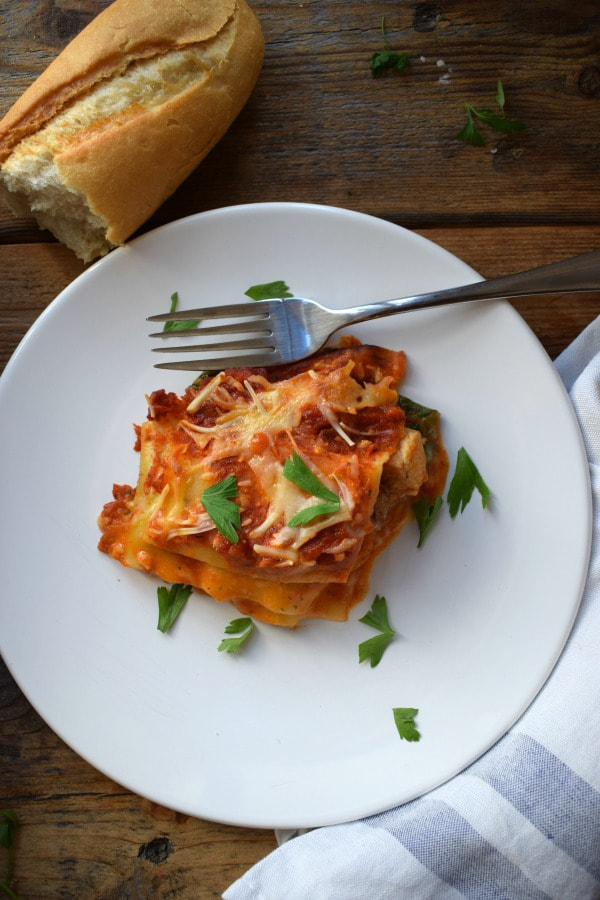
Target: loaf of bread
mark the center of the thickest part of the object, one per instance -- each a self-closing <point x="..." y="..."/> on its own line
<point x="124" y="114"/>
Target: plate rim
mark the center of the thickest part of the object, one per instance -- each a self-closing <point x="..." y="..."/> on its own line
<point x="283" y="206"/>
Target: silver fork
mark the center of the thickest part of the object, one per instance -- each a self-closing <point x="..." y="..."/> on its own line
<point x="283" y="331"/>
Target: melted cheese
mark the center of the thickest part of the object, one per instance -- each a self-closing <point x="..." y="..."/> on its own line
<point x="344" y="428"/>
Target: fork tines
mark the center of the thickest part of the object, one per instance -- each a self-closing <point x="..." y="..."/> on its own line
<point x="254" y="327"/>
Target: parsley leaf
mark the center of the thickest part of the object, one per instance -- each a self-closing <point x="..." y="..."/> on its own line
<point x="312" y="512"/>
<point x="271" y="291"/>
<point x="179" y="326"/>
<point x="225" y="514"/>
<point x="404" y="717"/>
<point x="242" y="627"/>
<point x="465" y="479"/>
<point x="470" y="133"/>
<point x="385" y="60"/>
<point x="500" y="99"/>
<point x="377" y="617"/>
<point x="296" y="471"/>
<point x="426" y="514"/>
<point x="170" y="604"/>
<point x="374" y="648"/>
<point x="499" y="121"/>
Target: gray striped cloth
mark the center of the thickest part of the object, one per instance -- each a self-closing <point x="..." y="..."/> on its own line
<point x="523" y="821"/>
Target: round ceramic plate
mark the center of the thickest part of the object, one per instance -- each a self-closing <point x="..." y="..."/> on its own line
<point x="293" y="731"/>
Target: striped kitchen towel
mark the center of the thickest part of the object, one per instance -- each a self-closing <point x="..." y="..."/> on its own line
<point x="523" y="821"/>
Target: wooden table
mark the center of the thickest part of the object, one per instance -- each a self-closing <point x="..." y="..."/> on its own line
<point x="318" y="128"/>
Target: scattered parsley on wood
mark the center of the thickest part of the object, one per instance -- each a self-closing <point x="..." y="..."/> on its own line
<point x="243" y="628"/>
<point x="179" y="326"/>
<point x="8" y="833"/>
<point x="470" y="133"/>
<point x="296" y="471"/>
<point x="426" y="514"/>
<point x="385" y="60"/>
<point x="218" y="503"/>
<point x="500" y="99"/>
<point x="274" y="290"/>
<point x="170" y="603"/>
<point x="377" y="618"/>
<point x="497" y="120"/>
<point x="404" y="717"/>
<point x="464" y="481"/>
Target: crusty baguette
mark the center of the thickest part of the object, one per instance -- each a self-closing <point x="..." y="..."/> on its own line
<point x="123" y="115"/>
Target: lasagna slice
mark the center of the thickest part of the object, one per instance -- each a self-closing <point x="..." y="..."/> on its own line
<point x="280" y="440"/>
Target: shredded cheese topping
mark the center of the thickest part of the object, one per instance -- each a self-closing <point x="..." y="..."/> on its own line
<point x="250" y="426"/>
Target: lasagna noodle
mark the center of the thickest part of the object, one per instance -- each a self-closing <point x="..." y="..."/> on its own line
<point x="338" y="412"/>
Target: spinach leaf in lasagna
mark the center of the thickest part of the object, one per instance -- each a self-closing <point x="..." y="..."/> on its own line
<point x="244" y="628"/>
<point x="424" y="420"/>
<point x="225" y="514"/>
<point x="377" y="618"/>
<point x="170" y="604"/>
<point x="296" y="471"/>
<point x="426" y="514"/>
<point x="464" y="481"/>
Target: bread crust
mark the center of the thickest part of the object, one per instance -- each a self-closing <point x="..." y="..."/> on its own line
<point x="126" y="164"/>
<point x="126" y="173"/>
<point x="128" y="30"/>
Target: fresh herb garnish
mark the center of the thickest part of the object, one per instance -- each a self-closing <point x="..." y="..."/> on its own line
<point x="242" y="627"/>
<point x="225" y="514"/>
<point x="465" y="479"/>
<point x="296" y="471"/>
<point x="377" y="618"/>
<point x="404" y="717"/>
<point x="179" y="326"/>
<point x="499" y="121"/>
<point x="385" y="60"/>
<point x="170" y="604"/>
<point x="312" y="512"/>
<point x="470" y="133"/>
<point x="8" y="833"/>
<point x="273" y="290"/>
<point x="426" y="514"/>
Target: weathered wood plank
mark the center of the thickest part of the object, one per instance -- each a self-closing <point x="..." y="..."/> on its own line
<point x="320" y="128"/>
<point x="81" y="835"/>
<point x="556" y="320"/>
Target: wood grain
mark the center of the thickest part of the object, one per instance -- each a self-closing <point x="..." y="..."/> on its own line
<point x="317" y="129"/>
<point x="83" y="836"/>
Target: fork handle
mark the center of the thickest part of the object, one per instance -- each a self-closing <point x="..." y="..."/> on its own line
<point x="574" y="275"/>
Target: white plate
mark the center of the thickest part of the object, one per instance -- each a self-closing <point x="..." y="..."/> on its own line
<point x="293" y="732"/>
